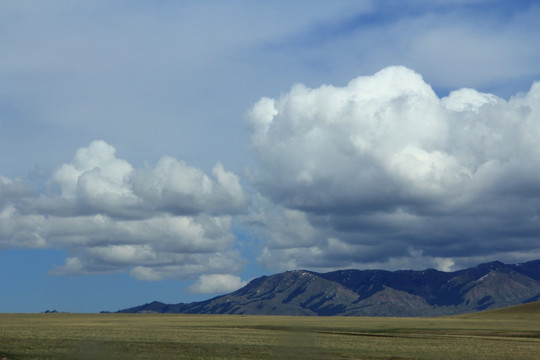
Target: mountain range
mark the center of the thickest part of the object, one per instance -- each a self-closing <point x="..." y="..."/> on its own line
<point x="372" y="293"/>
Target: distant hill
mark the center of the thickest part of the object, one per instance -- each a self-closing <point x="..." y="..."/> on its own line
<point x="373" y="293"/>
<point x="527" y="311"/>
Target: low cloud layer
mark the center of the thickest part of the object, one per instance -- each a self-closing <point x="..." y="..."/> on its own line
<point x="384" y="173"/>
<point x="172" y="220"/>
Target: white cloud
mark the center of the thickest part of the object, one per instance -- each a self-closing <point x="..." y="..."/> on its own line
<point x="444" y="264"/>
<point x="217" y="283"/>
<point x="146" y="274"/>
<point x="382" y="167"/>
<point x="97" y="181"/>
<point x="179" y="188"/>
<point x="322" y="137"/>
<point x="100" y="157"/>
<point x="170" y="221"/>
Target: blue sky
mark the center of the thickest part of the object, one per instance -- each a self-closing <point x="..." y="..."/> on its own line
<point x="174" y="150"/>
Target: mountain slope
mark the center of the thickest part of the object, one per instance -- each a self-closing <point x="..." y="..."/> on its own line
<point x="373" y="293"/>
<point x="527" y="311"/>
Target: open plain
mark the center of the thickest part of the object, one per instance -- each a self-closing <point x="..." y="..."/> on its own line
<point x="511" y="333"/>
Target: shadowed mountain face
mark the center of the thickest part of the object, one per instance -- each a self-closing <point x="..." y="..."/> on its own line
<point x="373" y="293"/>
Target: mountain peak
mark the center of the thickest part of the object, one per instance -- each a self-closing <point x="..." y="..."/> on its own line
<point x="491" y="265"/>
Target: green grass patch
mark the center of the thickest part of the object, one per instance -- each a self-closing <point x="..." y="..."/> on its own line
<point x="148" y="336"/>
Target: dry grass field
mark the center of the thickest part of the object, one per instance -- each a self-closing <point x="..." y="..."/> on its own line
<point x="512" y="333"/>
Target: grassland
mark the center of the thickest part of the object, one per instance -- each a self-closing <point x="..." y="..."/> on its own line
<point x="502" y="334"/>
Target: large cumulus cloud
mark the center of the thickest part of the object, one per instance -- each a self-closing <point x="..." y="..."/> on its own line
<point x="172" y="220"/>
<point x="383" y="172"/>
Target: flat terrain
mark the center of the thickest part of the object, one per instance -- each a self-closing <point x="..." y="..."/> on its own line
<point x="501" y="334"/>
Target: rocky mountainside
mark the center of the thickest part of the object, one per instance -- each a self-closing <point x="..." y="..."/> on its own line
<point x="373" y="293"/>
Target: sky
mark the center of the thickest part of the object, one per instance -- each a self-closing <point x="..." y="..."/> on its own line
<point x="175" y="150"/>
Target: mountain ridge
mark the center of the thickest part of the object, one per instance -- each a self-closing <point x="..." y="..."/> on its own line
<point x="353" y="292"/>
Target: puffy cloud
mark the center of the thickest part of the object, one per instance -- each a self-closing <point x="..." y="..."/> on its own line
<point x="318" y="139"/>
<point x="170" y="221"/>
<point x="96" y="181"/>
<point x="217" y="283"/>
<point x="99" y="157"/>
<point x="179" y="188"/>
<point x="383" y="168"/>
